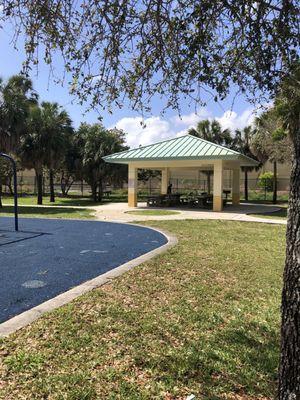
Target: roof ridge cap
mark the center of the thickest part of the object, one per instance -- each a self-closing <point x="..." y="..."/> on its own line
<point x="162" y="141"/>
<point x="215" y="144"/>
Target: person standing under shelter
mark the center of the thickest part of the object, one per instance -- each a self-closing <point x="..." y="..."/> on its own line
<point x="169" y="190"/>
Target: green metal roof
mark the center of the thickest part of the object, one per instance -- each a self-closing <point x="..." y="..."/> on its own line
<point x="185" y="147"/>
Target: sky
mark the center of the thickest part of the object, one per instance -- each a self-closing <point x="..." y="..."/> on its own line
<point x="233" y="113"/>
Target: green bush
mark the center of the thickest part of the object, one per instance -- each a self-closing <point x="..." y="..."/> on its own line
<point x="266" y="181"/>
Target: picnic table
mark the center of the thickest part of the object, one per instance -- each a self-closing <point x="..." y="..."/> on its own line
<point x="188" y="199"/>
<point x="192" y="199"/>
<point x="106" y="193"/>
<point x="172" y="199"/>
<point x="161" y="200"/>
<point x="155" y="200"/>
<point x="204" y="200"/>
<point x="226" y="192"/>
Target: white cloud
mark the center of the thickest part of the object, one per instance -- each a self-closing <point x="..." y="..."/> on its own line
<point x="182" y="132"/>
<point x="192" y="118"/>
<point x="155" y="129"/>
<point x="231" y="120"/>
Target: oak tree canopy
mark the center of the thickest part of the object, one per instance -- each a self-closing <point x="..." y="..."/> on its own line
<point x="134" y="49"/>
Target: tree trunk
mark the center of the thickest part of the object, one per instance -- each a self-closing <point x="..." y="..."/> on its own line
<point x="94" y="191"/>
<point x="246" y="185"/>
<point x="100" y="190"/>
<point x="34" y="187"/>
<point x="39" y="183"/>
<point x="69" y="185"/>
<point x="9" y="185"/>
<point x="274" y="182"/>
<point x="63" y="184"/>
<point x="51" y="184"/>
<point x="289" y="371"/>
<point x="1" y="205"/>
<point x="43" y="186"/>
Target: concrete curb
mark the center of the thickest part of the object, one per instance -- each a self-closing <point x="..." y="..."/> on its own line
<point x="27" y="317"/>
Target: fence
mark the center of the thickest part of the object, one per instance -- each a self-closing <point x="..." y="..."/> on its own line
<point x="257" y="190"/>
<point x="28" y="185"/>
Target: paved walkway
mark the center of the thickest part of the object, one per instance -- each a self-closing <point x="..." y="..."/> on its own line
<point x="119" y="212"/>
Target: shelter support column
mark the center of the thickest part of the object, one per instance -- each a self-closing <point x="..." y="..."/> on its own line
<point x="132" y="186"/>
<point x="165" y="176"/>
<point x="218" y="186"/>
<point x="236" y="186"/>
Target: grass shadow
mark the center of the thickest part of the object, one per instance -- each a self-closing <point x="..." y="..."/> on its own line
<point x="228" y="362"/>
<point x="55" y="212"/>
<point x="282" y="213"/>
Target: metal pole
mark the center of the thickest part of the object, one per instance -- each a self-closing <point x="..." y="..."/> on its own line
<point x="15" y="195"/>
<point x="15" y="187"/>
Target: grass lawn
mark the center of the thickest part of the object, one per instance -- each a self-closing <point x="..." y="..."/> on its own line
<point x="281" y="214"/>
<point x="48" y="212"/>
<point x="152" y="212"/>
<point x="259" y="196"/>
<point x="59" y="201"/>
<point x="71" y="200"/>
<point x="201" y="319"/>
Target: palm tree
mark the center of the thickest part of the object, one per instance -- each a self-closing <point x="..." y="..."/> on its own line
<point x="270" y="143"/>
<point x="56" y="127"/>
<point x="16" y="98"/>
<point x="241" y="143"/>
<point x="32" y="149"/>
<point x="44" y="144"/>
<point x="213" y="132"/>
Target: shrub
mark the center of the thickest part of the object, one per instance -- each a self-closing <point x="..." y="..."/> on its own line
<point x="266" y="180"/>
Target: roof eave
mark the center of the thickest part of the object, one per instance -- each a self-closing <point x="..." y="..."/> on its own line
<point x="245" y="161"/>
<point x="248" y="162"/>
